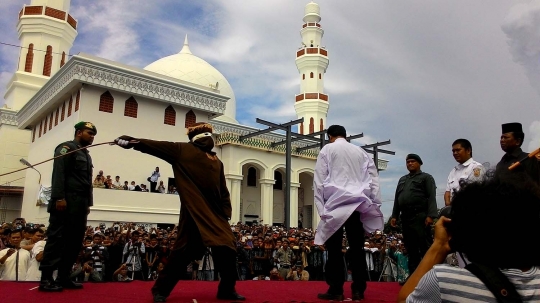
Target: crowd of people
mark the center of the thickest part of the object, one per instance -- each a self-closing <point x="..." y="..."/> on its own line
<point x="127" y="251"/>
<point x="105" y="181"/>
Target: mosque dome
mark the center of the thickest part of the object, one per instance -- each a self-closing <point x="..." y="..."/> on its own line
<point x="188" y="67"/>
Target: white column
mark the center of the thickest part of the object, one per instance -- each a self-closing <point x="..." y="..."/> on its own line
<point x="293" y="210"/>
<point x="267" y="200"/>
<point x="234" y="184"/>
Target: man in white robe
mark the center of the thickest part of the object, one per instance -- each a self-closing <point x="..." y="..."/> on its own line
<point x="346" y="185"/>
<point x="14" y="260"/>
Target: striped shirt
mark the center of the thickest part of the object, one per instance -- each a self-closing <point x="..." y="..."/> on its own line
<point x="445" y="283"/>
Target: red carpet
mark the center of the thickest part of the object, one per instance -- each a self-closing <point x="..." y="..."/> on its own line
<point x="191" y="291"/>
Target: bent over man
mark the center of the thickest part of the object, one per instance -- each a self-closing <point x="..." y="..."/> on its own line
<point x="204" y="211"/>
<point x="346" y="185"/>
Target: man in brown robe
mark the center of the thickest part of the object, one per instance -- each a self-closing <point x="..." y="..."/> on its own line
<point x="204" y="212"/>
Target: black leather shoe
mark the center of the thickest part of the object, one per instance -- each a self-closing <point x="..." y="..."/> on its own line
<point x="70" y="285"/>
<point x="159" y="298"/>
<point x="49" y="286"/>
<point x="330" y="297"/>
<point x="230" y="296"/>
<point x="356" y="296"/>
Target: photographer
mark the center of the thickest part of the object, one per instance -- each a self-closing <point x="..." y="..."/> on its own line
<point x="493" y="209"/>
<point x="99" y="256"/>
<point x="121" y="274"/>
<point x="133" y="253"/>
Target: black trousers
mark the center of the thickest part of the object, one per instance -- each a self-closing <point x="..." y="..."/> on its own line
<point x="65" y="236"/>
<point x="153" y="186"/>
<point x="224" y="264"/>
<point x="335" y="265"/>
<point x="416" y="237"/>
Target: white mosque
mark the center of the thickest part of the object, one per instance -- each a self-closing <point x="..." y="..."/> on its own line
<point x="48" y="94"/>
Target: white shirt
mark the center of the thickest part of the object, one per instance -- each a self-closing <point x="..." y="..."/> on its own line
<point x="33" y="273"/>
<point x="10" y="270"/>
<point x="117" y="184"/>
<point x="345" y="180"/>
<point x="469" y="171"/>
<point x="155" y="176"/>
<point x="131" y="187"/>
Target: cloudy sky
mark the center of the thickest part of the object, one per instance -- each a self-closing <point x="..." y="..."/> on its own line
<point x="421" y="73"/>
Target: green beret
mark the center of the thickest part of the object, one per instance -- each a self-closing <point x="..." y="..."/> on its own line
<point x="86" y="125"/>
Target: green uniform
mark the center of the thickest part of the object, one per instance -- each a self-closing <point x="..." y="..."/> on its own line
<point x="72" y="181"/>
<point x="415" y="201"/>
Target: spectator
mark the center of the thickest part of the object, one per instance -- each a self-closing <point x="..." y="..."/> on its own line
<point x="152" y="255"/>
<point x="33" y="273"/>
<point x="153" y="180"/>
<point x="143" y="188"/>
<point x="275" y="276"/>
<point x="297" y="273"/>
<point x="99" y="256"/>
<point x="161" y="187"/>
<point x="133" y="252"/>
<point x="126" y="186"/>
<point x="14" y="261"/>
<point x="285" y="257"/>
<point x="132" y="186"/>
<point x="121" y="274"/>
<point x="108" y="182"/>
<point x="117" y="184"/>
<point x="35" y="236"/>
<point x="99" y="182"/>
<point x="503" y="205"/>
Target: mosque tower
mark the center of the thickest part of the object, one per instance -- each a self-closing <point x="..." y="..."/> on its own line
<point x="312" y="61"/>
<point x="46" y="34"/>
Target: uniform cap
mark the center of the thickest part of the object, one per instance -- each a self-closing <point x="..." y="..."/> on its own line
<point x="86" y="125"/>
<point x="414" y="157"/>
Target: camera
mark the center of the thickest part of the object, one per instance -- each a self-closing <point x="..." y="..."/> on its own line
<point x="446" y="211"/>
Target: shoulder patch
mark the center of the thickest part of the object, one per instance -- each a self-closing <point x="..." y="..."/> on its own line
<point x="476" y="172"/>
<point x="64" y="150"/>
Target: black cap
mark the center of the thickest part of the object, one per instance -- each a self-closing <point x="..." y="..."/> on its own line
<point x="513" y="127"/>
<point x="415" y="157"/>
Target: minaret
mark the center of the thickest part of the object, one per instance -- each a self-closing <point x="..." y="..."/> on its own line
<point x="312" y="61"/>
<point x="46" y="34"/>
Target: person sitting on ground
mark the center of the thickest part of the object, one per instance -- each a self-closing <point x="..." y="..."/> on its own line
<point x="121" y="274"/>
<point x="99" y="182"/>
<point x="117" y="184"/>
<point x="492" y="209"/>
<point x="161" y="187"/>
<point x="274" y="275"/>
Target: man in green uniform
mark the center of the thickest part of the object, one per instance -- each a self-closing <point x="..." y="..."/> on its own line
<point x="511" y="140"/>
<point x="71" y="198"/>
<point x="415" y="201"/>
<point x="204" y="211"/>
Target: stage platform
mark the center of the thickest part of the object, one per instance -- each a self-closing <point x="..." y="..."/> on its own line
<point x="192" y="292"/>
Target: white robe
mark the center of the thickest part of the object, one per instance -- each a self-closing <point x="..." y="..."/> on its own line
<point x="346" y="180"/>
<point x="8" y="270"/>
<point x="34" y="274"/>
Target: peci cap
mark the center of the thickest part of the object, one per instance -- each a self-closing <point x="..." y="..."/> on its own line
<point x="86" y="125"/>
<point x="513" y="127"/>
<point x="414" y="157"/>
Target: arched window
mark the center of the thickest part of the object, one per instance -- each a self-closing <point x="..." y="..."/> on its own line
<point x="131" y="107"/>
<point x="170" y="116"/>
<point x="252" y="177"/>
<point x="302" y="128"/>
<point x="311" y="75"/>
<point x="190" y="119"/>
<point x="322" y="125"/>
<point x="106" y="102"/>
<point x="311" y="126"/>
<point x="48" y="62"/>
<point x="63" y="111"/>
<point x="70" y="105"/>
<point x="50" y="121"/>
<point x="320" y="76"/>
<point x="29" y="58"/>
<point x="40" y="127"/>
<point x="303" y="76"/>
<point x="278" y="177"/>
<point x="56" y="116"/>
<point x="45" y="126"/>
<point x="34" y="134"/>
<point x="63" y="61"/>
<point x="77" y="100"/>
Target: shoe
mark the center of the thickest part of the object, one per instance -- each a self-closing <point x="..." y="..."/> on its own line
<point x="70" y="285"/>
<point x="49" y="286"/>
<point x="230" y="296"/>
<point x="330" y="297"/>
<point x="356" y="296"/>
<point x="159" y="298"/>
